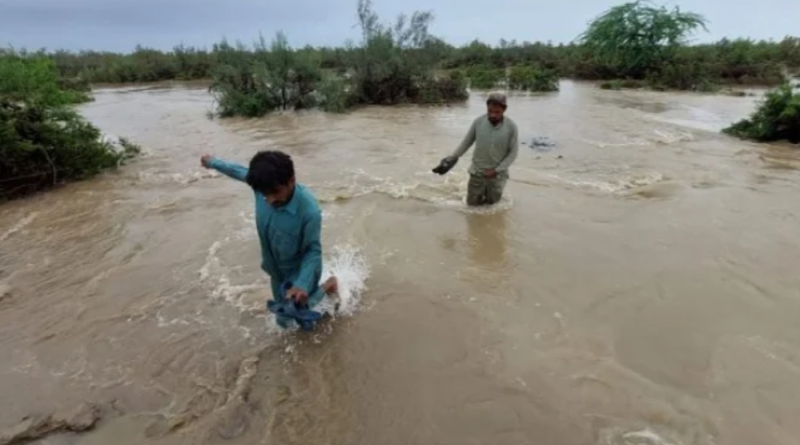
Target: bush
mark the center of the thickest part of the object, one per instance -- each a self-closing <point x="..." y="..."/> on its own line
<point x="396" y="63"/>
<point x="335" y="94"/>
<point x="776" y="118"/>
<point x="44" y="146"/>
<point x="532" y="79"/>
<point x="43" y="142"/>
<point x="626" y="84"/>
<point x="441" y="90"/>
<point x="274" y="78"/>
<point x="484" y="78"/>
<point x="35" y="79"/>
<point x="682" y="76"/>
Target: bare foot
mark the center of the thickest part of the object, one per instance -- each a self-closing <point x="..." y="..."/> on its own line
<point x="331" y="286"/>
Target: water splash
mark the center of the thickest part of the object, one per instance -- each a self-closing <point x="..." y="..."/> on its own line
<point x="348" y="264"/>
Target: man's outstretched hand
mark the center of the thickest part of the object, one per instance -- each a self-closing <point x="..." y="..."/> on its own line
<point x="445" y="165"/>
<point x="205" y="160"/>
<point x="297" y="295"/>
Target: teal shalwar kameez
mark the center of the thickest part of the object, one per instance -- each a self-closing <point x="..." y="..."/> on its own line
<point x="291" y="250"/>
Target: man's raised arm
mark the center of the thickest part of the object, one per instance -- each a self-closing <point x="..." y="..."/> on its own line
<point x="230" y="169"/>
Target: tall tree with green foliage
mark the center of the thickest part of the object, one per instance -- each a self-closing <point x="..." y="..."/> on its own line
<point x="636" y="38"/>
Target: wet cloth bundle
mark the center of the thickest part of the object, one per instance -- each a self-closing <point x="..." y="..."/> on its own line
<point x="445" y="165"/>
<point x="286" y="310"/>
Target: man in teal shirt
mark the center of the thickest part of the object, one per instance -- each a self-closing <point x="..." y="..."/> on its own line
<point x="289" y="225"/>
<point x="496" y="146"/>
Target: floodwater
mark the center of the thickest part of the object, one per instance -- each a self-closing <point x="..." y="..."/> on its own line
<point x="638" y="285"/>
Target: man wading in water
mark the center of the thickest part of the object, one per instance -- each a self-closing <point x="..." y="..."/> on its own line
<point x="496" y="146"/>
<point x="289" y="225"/>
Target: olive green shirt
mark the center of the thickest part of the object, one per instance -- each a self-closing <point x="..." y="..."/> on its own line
<point x="496" y="147"/>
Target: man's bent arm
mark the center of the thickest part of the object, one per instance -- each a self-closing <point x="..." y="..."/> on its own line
<point x="311" y="247"/>
<point x="230" y="169"/>
<point x="513" y="150"/>
<point x="469" y="139"/>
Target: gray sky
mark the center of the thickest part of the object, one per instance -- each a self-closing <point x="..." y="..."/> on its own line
<point x="118" y="25"/>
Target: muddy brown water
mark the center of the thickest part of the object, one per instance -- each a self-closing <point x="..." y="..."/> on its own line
<point x="638" y="285"/>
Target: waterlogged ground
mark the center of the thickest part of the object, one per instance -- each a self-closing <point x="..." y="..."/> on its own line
<point x="638" y="286"/>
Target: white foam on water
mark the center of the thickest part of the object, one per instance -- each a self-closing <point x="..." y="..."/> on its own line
<point x="180" y="178"/>
<point x="346" y="262"/>
<point x="21" y="224"/>
<point x="449" y="192"/>
<point x="611" y="186"/>
<point x="668" y="137"/>
<point x="645" y="437"/>
<point x="212" y="260"/>
<point x="234" y="293"/>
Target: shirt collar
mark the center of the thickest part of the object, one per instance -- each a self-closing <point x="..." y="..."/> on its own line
<point x="293" y="203"/>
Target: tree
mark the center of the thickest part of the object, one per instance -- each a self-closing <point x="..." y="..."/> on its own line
<point x="636" y="37"/>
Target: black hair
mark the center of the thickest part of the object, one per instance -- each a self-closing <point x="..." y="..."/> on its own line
<point x="269" y="170"/>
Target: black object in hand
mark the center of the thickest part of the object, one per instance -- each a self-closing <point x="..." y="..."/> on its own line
<point x="445" y="165"/>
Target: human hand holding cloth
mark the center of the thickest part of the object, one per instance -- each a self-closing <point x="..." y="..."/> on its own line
<point x="297" y="295"/>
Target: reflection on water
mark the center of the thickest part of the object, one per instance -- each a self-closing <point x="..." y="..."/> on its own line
<point x="487" y="235"/>
<point x="637" y="285"/>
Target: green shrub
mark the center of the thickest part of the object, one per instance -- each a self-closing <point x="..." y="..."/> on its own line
<point x="335" y="94"/>
<point x="42" y="146"/>
<point x="396" y="63"/>
<point x="35" y="79"/>
<point x="442" y="90"/>
<point x="484" y="78"/>
<point x="532" y="79"/>
<point x="275" y="78"/>
<point x="776" y="118"/>
<point x="44" y="142"/>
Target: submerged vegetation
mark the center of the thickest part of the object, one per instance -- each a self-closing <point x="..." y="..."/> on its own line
<point x="777" y="118"/>
<point x="393" y="64"/>
<point x="44" y="142"/>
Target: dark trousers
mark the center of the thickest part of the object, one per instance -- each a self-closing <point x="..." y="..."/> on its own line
<point x="485" y="191"/>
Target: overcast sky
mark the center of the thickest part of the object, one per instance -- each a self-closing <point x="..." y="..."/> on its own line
<point x="118" y="25"/>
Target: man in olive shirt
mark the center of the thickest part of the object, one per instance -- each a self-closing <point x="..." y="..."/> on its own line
<point x="496" y="146"/>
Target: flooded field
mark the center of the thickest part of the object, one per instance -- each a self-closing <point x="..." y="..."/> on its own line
<point x="638" y="285"/>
